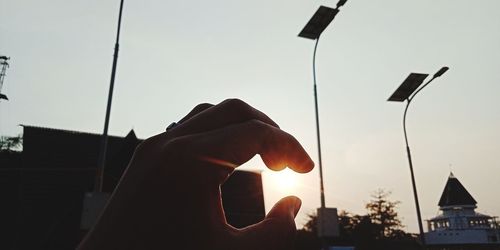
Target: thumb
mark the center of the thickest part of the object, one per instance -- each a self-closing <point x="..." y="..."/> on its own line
<point x="286" y="207"/>
<point x="277" y="230"/>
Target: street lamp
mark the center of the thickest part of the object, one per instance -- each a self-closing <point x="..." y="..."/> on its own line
<point x="94" y="202"/>
<point x="407" y="91"/>
<point x="104" y="139"/>
<point x="327" y="217"/>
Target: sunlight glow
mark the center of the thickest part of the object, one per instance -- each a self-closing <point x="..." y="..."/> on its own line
<point x="285" y="180"/>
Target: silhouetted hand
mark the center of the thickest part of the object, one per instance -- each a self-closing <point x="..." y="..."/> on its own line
<point x="169" y="196"/>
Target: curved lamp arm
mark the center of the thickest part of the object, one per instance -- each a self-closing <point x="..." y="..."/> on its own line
<point x="408" y="101"/>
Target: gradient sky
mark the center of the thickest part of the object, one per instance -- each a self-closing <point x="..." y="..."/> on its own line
<point x="175" y="54"/>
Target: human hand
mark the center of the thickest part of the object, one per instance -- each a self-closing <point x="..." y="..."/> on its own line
<point x="169" y="196"/>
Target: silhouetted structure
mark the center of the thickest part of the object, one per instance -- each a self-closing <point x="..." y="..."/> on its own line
<point x="4" y="64"/>
<point x="42" y="187"/>
<point x="327" y="217"/>
<point x="407" y="91"/>
<point x="459" y="226"/>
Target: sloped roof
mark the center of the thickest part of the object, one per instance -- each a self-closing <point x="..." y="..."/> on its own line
<point x="58" y="148"/>
<point x="455" y="194"/>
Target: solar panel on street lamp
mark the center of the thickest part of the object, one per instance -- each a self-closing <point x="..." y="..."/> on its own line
<point x="409" y="85"/>
<point x="318" y="22"/>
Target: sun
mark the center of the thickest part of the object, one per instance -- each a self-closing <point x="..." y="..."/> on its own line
<point x="284" y="180"/>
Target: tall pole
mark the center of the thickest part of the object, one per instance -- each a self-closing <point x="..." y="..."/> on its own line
<point x="414" y="185"/>
<point x="321" y="186"/>
<point x="104" y="139"/>
<point x="322" y="189"/>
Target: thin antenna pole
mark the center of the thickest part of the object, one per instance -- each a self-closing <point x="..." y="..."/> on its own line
<point x="104" y="139"/>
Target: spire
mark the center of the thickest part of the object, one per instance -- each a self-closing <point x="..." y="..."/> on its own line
<point x="455" y="194"/>
<point x="131" y="135"/>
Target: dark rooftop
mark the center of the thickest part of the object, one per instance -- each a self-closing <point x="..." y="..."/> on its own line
<point x="42" y="187"/>
<point x="455" y="194"/>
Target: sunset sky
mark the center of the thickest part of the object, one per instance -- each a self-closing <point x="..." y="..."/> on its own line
<point x="176" y="54"/>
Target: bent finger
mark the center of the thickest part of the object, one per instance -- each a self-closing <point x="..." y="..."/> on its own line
<point x="234" y="145"/>
<point x="196" y="110"/>
<point x="228" y="112"/>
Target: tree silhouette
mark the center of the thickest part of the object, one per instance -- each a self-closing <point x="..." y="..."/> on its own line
<point x="8" y="143"/>
<point x="380" y="228"/>
<point x="311" y="223"/>
<point x="382" y="213"/>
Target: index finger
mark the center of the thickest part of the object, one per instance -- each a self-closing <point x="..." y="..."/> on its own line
<point x="226" y="113"/>
<point x="234" y="145"/>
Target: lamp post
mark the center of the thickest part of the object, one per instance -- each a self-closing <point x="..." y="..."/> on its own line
<point x="104" y="139"/>
<point x="327" y="217"/>
<point x="313" y="29"/>
<point x="407" y="91"/>
<point x="94" y="202"/>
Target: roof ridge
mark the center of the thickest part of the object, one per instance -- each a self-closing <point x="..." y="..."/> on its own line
<point x="73" y="131"/>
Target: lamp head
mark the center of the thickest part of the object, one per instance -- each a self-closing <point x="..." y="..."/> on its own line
<point x="441" y="72"/>
<point x="341" y="3"/>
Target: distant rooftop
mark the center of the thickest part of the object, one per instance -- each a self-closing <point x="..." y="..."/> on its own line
<point x="455" y="194"/>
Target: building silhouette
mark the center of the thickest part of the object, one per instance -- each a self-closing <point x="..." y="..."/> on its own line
<point x="42" y="188"/>
<point x="459" y="226"/>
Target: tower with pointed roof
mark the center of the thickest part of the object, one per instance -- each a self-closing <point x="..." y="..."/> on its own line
<point x="459" y="226"/>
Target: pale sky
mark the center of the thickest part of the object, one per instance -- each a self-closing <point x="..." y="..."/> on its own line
<point x="175" y="54"/>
